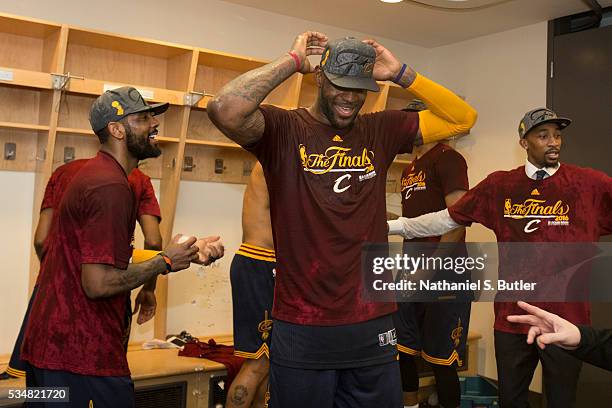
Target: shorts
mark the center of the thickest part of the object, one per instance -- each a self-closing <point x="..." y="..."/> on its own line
<point x="252" y="277"/>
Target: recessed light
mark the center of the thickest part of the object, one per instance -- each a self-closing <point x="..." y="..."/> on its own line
<point x="391" y="1"/>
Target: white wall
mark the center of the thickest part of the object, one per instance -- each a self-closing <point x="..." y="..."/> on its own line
<point x="503" y="76"/>
<point x="16" y="203"/>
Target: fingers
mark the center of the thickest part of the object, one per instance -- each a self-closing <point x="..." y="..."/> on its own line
<point x="526" y="319"/>
<point x="533" y="333"/>
<point x="533" y="310"/>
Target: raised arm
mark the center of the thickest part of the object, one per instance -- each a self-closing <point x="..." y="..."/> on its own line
<point x="235" y="109"/>
<point x="447" y="114"/>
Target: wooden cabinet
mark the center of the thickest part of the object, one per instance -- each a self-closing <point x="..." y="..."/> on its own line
<point x="51" y="73"/>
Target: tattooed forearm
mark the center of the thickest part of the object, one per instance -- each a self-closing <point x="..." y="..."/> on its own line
<point x="234" y="110"/>
<point x="100" y="281"/>
<point x="255" y="85"/>
<point x="407" y="78"/>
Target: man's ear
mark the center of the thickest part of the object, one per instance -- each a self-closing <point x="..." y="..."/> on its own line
<point x="523" y="143"/>
<point x="116" y="130"/>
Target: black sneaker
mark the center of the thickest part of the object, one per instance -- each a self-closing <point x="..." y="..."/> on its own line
<point x="6" y="376"/>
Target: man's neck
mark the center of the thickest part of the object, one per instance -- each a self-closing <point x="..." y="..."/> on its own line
<point x="420" y="151"/>
<point x="125" y="160"/>
<point x="317" y="113"/>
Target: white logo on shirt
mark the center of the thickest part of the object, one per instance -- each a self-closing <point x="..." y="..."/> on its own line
<point x="339" y="180"/>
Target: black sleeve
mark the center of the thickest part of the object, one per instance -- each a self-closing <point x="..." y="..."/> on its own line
<point x="595" y="347"/>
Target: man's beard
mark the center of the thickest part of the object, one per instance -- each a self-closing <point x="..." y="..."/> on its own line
<point x="140" y="147"/>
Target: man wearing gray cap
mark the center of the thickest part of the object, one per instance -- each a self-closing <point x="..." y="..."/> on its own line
<point x="77" y="333"/>
<point x="325" y="167"/>
<point x="516" y="205"/>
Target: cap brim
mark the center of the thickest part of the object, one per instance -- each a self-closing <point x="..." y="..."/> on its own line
<point x="351" y="82"/>
<point x="156" y="108"/>
<point x="562" y="122"/>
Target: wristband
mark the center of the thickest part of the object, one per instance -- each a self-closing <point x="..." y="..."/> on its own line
<point x="142" y="255"/>
<point x="399" y="76"/>
<point x="168" y="262"/>
<point x="296" y="59"/>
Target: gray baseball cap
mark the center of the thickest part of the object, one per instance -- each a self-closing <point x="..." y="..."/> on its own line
<point x="415" y="105"/>
<point x="349" y="63"/>
<point x="539" y="116"/>
<point x="116" y="104"/>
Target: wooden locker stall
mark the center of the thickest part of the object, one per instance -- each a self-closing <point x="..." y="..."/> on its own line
<point x="50" y="74"/>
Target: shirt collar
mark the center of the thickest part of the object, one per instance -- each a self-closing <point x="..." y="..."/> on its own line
<point x="531" y="170"/>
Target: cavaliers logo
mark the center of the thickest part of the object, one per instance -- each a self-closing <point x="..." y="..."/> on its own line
<point x="264" y="327"/>
<point x="457" y="333"/>
<point x="324" y="60"/>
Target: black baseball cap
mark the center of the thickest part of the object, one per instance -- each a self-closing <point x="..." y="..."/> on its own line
<point x="415" y="105"/>
<point x="116" y="104"/>
<point x="349" y="63"/>
<point x="539" y="116"/>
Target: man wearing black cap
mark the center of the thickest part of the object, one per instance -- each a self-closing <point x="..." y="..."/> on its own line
<point x="325" y="167"/>
<point x="77" y="333"/>
<point x="516" y="205"/>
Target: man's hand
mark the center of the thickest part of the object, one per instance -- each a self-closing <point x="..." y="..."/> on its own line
<point x="386" y="67"/>
<point x="547" y="328"/>
<point x="209" y="250"/>
<point x="181" y="252"/>
<point x="308" y="43"/>
<point x="145" y="301"/>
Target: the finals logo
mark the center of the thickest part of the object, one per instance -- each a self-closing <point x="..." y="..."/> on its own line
<point x="537" y="210"/>
<point x="339" y="159"/>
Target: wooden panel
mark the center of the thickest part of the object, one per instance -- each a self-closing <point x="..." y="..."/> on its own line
<point x="211" y="80"/>
<point x="96" y="87"/>
<point x="308" y="91"/>
<point x="21" y="52"/>
<point x="179" y="69"/>
<point x="201" y="128"/>
<point x="204" y="160"/>
<point x="153" y="167"/>
<point x="125" y="44"/>
<point x="286" y="95"/>
<point x="375" y="101"/>
<point x="114" y="66"/>
<point x="84" y="147"/>
<point x="26" y="148"/>
<point x="21" y="105"/>
<point x="54" y="51"/>
<point x="27" y="78"/>
<point x="74" y="111"/>
<point x="233" y="62"/>
<point x="25" y="26"/>
<point x="398" y="97"/>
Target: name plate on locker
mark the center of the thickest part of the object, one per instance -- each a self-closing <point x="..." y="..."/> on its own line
<point x="146" y="93"/>
<point x="6" y="75"/>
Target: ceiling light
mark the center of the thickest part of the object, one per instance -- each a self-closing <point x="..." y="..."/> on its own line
<point x="391" y="1"/>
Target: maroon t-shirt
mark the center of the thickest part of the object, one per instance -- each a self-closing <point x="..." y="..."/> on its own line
<point x="139" y="182"/>
<point x="327" y="198"/>
<point x="428" y="179"/>
<point x="95" y="223"/>
<point x="517" y="209"/>
<point x="61" y="177"/>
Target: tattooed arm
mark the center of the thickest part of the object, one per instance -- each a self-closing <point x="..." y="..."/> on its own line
<point x="235" y="109"/>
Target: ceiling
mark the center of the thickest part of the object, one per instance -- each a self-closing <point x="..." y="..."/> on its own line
<point x="413" y="22"/>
